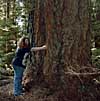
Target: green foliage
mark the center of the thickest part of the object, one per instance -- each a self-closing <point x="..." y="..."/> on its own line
<point x="96" y="57"/>
<point x="7" y="58"/>
<point x="10" y="30"/>
<point x="95" y="17"/>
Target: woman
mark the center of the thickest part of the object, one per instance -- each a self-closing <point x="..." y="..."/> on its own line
<point x="22" y="49"/>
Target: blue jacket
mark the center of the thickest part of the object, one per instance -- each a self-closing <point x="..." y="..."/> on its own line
<point x="19" y="55"/>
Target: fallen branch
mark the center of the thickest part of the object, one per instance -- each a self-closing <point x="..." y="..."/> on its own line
<point x="4" y="82"/>
<point x="2" y="77"/>
<point x="83" y="76"/>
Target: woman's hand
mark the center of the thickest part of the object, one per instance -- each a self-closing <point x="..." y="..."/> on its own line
<point x="44" y="46"/>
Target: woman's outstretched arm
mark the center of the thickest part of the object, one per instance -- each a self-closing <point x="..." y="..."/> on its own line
<point x="38" y="48"/>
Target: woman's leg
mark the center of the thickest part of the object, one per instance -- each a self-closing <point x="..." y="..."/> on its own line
<point x="18" y="74"/>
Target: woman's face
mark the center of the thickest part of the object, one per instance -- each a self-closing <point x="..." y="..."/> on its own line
<point x="26" y="41"/>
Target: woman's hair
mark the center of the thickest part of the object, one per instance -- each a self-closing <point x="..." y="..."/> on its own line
<point x="22" y="43"/>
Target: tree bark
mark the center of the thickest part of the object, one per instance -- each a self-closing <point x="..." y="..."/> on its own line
<point x="40" y="36"/>
<point x="68" y="43"/>
<point x="69" y="38"/>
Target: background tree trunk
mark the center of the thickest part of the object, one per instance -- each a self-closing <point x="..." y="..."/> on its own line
<point x="8" y="9"/>
<point x="38" y="38"/>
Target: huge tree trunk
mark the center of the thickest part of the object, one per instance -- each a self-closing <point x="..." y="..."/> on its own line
<point x="68" y="43"/>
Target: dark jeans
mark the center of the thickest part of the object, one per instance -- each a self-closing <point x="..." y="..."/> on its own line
<point x="18" y="74"/>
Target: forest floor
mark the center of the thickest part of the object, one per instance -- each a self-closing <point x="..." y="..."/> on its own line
<point x="40" y="93"/>
<point x="37" y="93"/>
